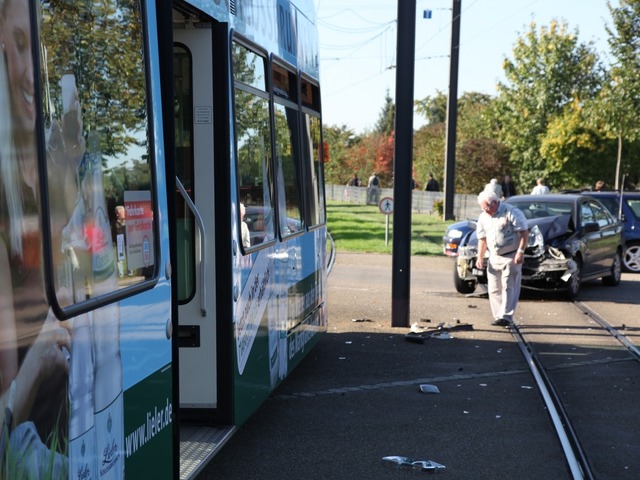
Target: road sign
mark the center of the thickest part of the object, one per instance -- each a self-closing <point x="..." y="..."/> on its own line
<point x="386" y="205"/>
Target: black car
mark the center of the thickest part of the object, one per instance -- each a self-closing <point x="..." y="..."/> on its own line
<point x="572" y="238"/>
<point x="628" y="211"/>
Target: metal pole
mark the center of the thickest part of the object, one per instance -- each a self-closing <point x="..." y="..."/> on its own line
<point x="403" y="164"/>
<point x="452" y="114"/>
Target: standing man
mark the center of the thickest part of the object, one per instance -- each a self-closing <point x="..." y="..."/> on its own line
<point x="373" y="189"/>
<point x="502" y="230"/>
<point x="120" y="235"/>
<point x="540" y="188"/>
<point x="508" y="187"/>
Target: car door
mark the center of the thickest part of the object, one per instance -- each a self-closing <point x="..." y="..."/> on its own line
<point x="610" y="230"/>
<point x="601" y="244"/>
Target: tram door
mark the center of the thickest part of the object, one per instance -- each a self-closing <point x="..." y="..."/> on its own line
<point x="195" y="226"/>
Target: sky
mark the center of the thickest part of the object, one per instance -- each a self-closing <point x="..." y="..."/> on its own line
<point x="358" y="48"/>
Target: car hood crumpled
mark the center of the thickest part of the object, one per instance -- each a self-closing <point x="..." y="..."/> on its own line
<point x="551" y="227"/>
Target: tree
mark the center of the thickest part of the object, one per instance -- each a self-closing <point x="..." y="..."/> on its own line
<point x="434" y="109"/>
<point x="475" y="122"/>
<point x="386" y="121"/>
<point x="339" y="169"/>
<point x="616" y="107"/>
<point x="575" y="152"/>
<point x="428" y="152"/>
<point x="479" y="160"/>
<point x="104" y="53"/>
<point x="550" y="69"/>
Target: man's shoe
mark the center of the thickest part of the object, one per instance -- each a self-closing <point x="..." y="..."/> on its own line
<point x="501" y="322"/>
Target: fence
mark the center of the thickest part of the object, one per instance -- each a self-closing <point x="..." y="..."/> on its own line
<point x="464" y="206"/>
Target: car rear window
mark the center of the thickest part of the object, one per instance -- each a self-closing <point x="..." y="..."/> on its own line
<point x="634" y="205"/>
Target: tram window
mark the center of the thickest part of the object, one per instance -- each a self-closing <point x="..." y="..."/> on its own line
<point x="310" y="95"/>
<point x="96" y="133"/>
<point x="185" y="220"/>
<point x="288" y="169"/>
<point x="248" y="67"/>
<point x="284" y="83"/>
<point x="253" y="145"/>
<point x="311" y="149"/>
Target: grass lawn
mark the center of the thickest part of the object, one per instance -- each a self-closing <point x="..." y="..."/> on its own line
<point x="361" y="228"/>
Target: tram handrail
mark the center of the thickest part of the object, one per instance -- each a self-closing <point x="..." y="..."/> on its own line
<point x="196" y="215"/>
<point x="332" y="255"/>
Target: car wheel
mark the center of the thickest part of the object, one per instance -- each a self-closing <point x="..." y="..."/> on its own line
<point x="631" y="260"/>
<point x="616" y="272"/>
<point x="462" y="285"/>
<point x="575" y="281"/>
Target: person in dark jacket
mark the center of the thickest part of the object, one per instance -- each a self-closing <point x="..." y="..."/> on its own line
<point x="508" y="187"/>
<point x="432" y="184"/>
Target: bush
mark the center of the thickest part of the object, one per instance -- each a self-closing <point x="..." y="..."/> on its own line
<point x="438" y="206"/>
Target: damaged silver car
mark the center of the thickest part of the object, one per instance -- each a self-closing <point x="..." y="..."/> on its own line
<point x="572" y="239"/>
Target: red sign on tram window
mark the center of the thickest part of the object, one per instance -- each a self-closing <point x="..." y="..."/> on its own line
<point x="139" y="228"/>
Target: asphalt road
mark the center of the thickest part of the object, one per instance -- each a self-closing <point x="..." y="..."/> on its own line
<point x="356" y="398"/>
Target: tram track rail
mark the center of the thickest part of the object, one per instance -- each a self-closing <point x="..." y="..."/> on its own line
<point x="633" y="349"/>
<point x="577" y="461"/>
<point x="575" y="455"/>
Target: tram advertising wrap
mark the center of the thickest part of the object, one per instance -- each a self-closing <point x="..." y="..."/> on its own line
<point x="162" y="228"/>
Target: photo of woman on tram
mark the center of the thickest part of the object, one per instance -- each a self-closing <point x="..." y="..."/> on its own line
<point x="34" y="345"/>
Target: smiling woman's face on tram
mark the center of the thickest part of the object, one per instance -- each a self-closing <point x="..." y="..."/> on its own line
<point x="15" y="36"/>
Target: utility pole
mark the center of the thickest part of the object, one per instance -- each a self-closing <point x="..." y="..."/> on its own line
<point x="452" y="114"/>
<point x="403" y="164"/>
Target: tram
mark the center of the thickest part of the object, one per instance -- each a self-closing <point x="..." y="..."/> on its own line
<point x="163" y="261"/>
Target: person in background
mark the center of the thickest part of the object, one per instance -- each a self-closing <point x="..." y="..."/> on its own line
<point x="508" y="187"/>
<point x="355" y="181"/>
<point x="246" y="236"/>
<point x="373" y="189"/>
<point x="600" y="185"/>
<point x="494" y="186"/>
<point x="502" y="231"/>
<point x="120" y="236"/>
<point x="432" y="184"/>
<point x="540" y="188"/>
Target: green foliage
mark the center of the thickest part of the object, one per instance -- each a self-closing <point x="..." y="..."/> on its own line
<point x="361" y="228"/>
<point x="434" y="109"/>
<point x="616" y="108"/>
<point x="438" y="206"/>
<point x="550" y="69"/>
<point x="428" y="153"/>
<point x="106" y="65"/>
<point x="386" y="121"/>
<point x="575" y="153"/>
<point x="478" y="161"/>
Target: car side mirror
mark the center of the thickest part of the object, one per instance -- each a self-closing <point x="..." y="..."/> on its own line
<point x="591" y="227"/>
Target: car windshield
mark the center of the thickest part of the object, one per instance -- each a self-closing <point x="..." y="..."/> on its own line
<point x="538" y="209"/>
